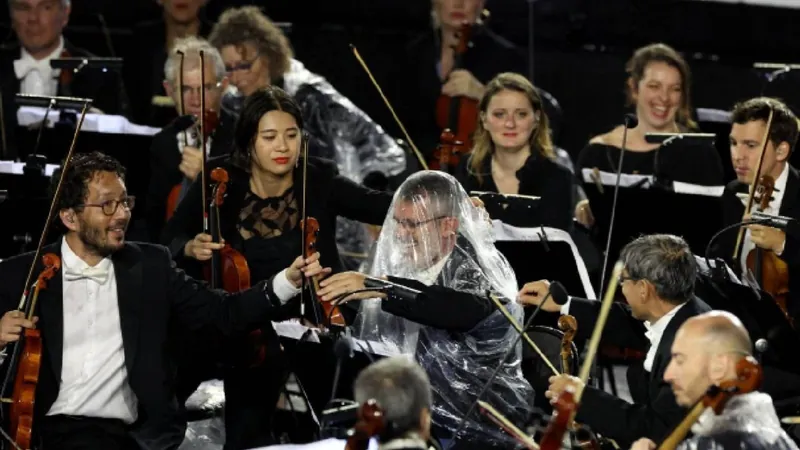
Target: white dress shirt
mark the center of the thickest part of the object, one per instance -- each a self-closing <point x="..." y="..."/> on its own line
<point x="773" y="209"/>
<point x="653" y="333"/>
<point x="36" y="76"/>
<point x="94" y="379"/>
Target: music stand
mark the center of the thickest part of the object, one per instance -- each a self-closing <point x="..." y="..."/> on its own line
<point x="77" y="64"/>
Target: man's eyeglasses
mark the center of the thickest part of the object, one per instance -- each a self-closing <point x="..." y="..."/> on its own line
<point x="623" y="278"/>
<point x="241" y="66"/>
<point x="110" y="206"/>
<point x="414" y="224"/>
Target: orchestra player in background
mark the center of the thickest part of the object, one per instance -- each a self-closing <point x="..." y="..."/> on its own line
<point x="659" y="88"/>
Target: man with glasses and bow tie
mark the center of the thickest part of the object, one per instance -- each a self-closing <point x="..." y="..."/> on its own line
<point x="25" y="64"/>
<point x="107" y="374"/>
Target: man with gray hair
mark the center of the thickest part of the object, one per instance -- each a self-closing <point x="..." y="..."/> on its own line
<point x="402" y="390"/>
<point x="175" y="158"/>
<point x="25" y="65"/>
<point x="657" y="282"/>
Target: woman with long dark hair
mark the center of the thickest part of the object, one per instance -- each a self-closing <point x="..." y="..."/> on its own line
<point x="260" y="217"/>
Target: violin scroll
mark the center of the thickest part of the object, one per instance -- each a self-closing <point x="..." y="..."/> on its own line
<point x="219" y="176"/>
<point x="763" y="191"/>
<point x="749" y="376"/>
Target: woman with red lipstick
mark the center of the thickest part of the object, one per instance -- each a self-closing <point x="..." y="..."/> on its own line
<point x="513" y="154"/>
<point x="659" y="88"/>
<point x="260" y="218"/>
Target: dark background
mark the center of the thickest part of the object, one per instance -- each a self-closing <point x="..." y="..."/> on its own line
<point x="580" y="46"/>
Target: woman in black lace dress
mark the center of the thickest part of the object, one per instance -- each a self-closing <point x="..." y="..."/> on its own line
<point x="260" y="218"/>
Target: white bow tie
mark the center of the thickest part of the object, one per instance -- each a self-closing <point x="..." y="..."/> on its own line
<point x="97" y="274"/>
<point x="25" y="65"/>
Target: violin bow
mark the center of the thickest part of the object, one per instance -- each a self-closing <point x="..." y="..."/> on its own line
<point x="202" y="138"/>
<point x="754" y="183"/>
<point x="181" y="107"/>
<point x="524" y="335"/>
<point x="391" y="110"/>
<point x="42" y="239"/>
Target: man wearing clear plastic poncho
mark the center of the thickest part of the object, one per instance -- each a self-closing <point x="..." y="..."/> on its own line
<point x="436" y="241"/>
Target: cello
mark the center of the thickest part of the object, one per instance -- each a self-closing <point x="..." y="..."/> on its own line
<point x="26" y="359"/>
<point x="748" y="379"/>
<point x="458" y="115"/>
<point x="770" y="271"/>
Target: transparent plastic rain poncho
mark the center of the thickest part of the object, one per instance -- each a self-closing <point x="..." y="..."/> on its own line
<point x="433" y="234"/>
<point x="748" y="421"/>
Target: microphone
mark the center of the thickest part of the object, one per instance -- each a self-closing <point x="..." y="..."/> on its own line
<point x="393" y="290"/>
<point x="560" y="297"/>
<point x="343" y="348"/>
<point x="732" y="227"/>
<point x="631" y="121"/>
<point x="779" y="222"/>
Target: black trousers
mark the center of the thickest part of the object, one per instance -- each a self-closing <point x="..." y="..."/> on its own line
<point x="84" y="433"/>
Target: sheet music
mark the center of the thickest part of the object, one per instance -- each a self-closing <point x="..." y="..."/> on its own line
<point x="330" y="443"/>
<point x="293" y="329"/>
<point x="98" y="123"/>
<point x="506" y="232"/>
<point x="15" y="168"/>
<point x="645" y="181"/>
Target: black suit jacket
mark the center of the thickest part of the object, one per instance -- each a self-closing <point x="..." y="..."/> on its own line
<point x="104" y="88"/>
<point x="152" y="294"/>
<point x="733" y="210"/>
<point x="654" y="411"/>
<point x="165" y="159"/>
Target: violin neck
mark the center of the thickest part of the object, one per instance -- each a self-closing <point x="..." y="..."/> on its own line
<point x="216" y="235"/>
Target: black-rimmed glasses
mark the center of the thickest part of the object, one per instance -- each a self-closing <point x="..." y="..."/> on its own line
<point x="109" y="207"/>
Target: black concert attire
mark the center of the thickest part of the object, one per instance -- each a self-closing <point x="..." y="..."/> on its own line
<point x="267" y="233"/>
<point x="144" y="72"/>
<point x="104" y="88"/>
<point x="539" y="177"/>
<point x="415" y="93"/>
<point x="151" y="295"/>
<point x="165" y="157"/>
<point x="654" y="411"/>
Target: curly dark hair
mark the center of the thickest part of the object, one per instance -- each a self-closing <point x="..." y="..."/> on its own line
<point x="260" y="102"/>
<point x="247" y="24"/>
<point x="82" y="169"/>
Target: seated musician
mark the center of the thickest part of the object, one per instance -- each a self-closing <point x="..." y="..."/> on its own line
<point x="747" y="133"/>
<point x="513" y="154"/>
<point x="260" y="218"/>
<point x="659" y="88"/>
<point x="106" y="381"/>
<point x="436" y="241"/>
<point x="705" y="353"/>
<point x="175" y="157"/>
<point x="155" y="39"/>
<point x="257" y="54"/>
<point x="425" y="68"/>
<point x="38" y="26"/>
<point x="658" y="284"/>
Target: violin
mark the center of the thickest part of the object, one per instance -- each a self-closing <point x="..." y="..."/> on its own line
<point x="770" y="271"/>
<point x="458" y="115"/>
<point x="748" y="379"/>
<point x="448" y="151"/>
<point x="371" y="422"/>
<point x="331" y="314"/>
<point x="25" y="362"/>
<point x="30" y="360"/>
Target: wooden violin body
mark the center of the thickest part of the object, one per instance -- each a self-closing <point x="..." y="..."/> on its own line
<point x="332" y="314"/>
<point x="23" y="398"/>
<point x="449" y="152"/>
<point x="458" y="115"/>
<point x="371" y="422"/>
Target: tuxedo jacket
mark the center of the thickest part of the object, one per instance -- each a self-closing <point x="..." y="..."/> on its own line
<point x="104" y="88"/>
<point x="733" y="210"/>
<point x="164" y="161"/>
<point x="153" y="296"/>
<point x="654" y="411"/>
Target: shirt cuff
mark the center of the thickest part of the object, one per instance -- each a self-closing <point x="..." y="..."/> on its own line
<point x="3" y="354"/>
<point x="783" y="247"/>
<point x="565" y="307"/>
<point x="283" y="288"/>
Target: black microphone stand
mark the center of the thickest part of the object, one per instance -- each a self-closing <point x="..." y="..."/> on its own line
<point x="488" y="383"/>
